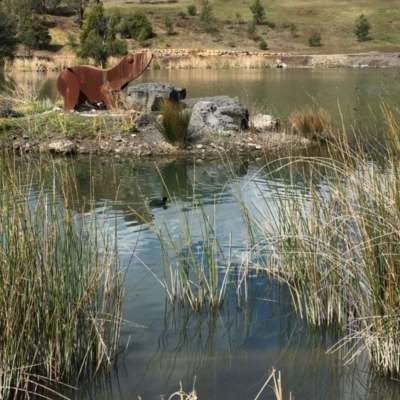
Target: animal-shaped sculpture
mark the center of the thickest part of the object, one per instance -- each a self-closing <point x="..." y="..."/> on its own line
<point x="87" y="84"/>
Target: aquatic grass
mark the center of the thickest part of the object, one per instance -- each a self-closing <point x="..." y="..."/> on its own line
<point x="192" y="265"/>
<point x="61" y="285"/>
<point x="335" y="243"/>
<point x="173" y="122"/>
<point x="312" y="122"/>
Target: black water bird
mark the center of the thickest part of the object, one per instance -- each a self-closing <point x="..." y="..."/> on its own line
<point x="158" y="202"/>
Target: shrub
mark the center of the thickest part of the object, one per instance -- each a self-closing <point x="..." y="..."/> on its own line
<point x="168" y="25"/>
<point x="173" y="122"/>
<point x="192" y="10"/>
<point x="311" y="122"/>
<point x="252" y="31"/>
<point x="181" y="14"/>
<point x="263" y="45"/>
<point x="34" y="33"/>
<point x="8" y="36"/>
<point x="206" y="18"/>
<point x="315" y="39"/>
<point x="258" y="12"/>
<point x="97" y="39"/>
<point x="362" y="28"/>
<point x="293" y="30"/>
<point x="136" y="26"/>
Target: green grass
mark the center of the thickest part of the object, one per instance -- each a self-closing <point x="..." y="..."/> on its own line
<point x="335" y="23"/>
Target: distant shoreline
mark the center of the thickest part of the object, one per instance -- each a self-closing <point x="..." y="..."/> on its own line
<point x="219" y="59"/>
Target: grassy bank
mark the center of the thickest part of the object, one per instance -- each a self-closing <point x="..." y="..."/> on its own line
<point x="289" y="27"/>
<point x="61" y="284"/>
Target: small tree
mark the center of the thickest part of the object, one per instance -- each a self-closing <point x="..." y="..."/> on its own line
<point x="168" y="25"/>
<point x="8" y="37"/>
<point x="252" y="30"/>
<point x="362" y="28"/>
<point x="192" y="10"/>
<point x="34" y="33"/>
<point x="206" y="17"/>
<point x="136" y="26"/>
<point x="314" y="39"/>
<point x="258" y="12"/>
<point x="97" y="38"/>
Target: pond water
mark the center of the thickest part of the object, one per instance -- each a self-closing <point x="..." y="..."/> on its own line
<point x="227" y="353"/>
<point x="349" y="95"/>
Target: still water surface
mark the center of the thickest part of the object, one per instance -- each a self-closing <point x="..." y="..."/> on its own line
<point x="349" y="95"/>
<point x="229" y="353"/>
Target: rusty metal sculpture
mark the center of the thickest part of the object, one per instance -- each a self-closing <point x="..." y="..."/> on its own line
<point x="87" y="84"/>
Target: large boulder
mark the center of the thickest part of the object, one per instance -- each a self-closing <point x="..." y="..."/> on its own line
<point x="207" y="118"/>
<point x="148" y="96"/>
<point x="226" y="106"/>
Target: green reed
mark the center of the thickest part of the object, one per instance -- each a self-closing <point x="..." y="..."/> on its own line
<point x="60" y="280"/>
<point x="336" y="243"/>
<point x="173" y="122"/>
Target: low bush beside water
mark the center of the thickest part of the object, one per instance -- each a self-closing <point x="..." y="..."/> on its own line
<point x="61" y="284"/>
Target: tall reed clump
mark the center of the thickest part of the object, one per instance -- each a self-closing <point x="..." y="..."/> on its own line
<point x="336" y="242"/>
<point x="173" y="122"/>
<point x="61" y="286"/>
<point x="312" y="122"/>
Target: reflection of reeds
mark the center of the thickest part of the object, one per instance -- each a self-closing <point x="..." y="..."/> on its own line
<point x="60" y="283"/>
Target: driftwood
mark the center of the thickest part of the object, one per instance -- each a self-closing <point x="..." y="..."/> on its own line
<point x="87" y="84"/>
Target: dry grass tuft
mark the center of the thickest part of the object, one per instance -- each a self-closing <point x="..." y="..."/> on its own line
<point x="311" y="122"/>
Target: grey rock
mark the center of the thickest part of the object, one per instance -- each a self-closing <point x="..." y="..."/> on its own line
<point x="60" y="146"/>
<point x="7" y="112"/>
<point x="206" y="118"/>
<point x="144" y="119"/>
<point x="265" y="122"/>
<point x="148" y="96"/>
<point x="227" y="106"/>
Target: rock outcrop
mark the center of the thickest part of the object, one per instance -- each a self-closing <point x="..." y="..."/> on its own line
<point x="148" y="96"/>
<point x="226" y="106"/>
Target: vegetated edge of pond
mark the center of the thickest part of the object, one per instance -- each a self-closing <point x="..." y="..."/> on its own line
<point x="114" y="134"/>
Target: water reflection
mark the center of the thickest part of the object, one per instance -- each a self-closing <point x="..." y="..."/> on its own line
<point x="230" y="350"/>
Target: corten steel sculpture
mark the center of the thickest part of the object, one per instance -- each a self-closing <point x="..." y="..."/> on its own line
<point x="87" y="84"/>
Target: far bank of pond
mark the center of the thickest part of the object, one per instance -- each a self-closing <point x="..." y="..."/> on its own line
<point x="353" y="97"/>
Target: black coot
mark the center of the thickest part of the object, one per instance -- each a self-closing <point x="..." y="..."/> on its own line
<point x="158" y="202"/>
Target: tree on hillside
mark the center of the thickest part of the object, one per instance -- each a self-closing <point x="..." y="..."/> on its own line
<point x="97" y="39"/>
<point x="206" y="17"/>
<point x="79" y="6"/>
<point x="258" y="12"/>
<point x="8" y="36"/>
<point x="135" y="25"/>
<point x="34" y="33"/>
<point x="362" y="28"/>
